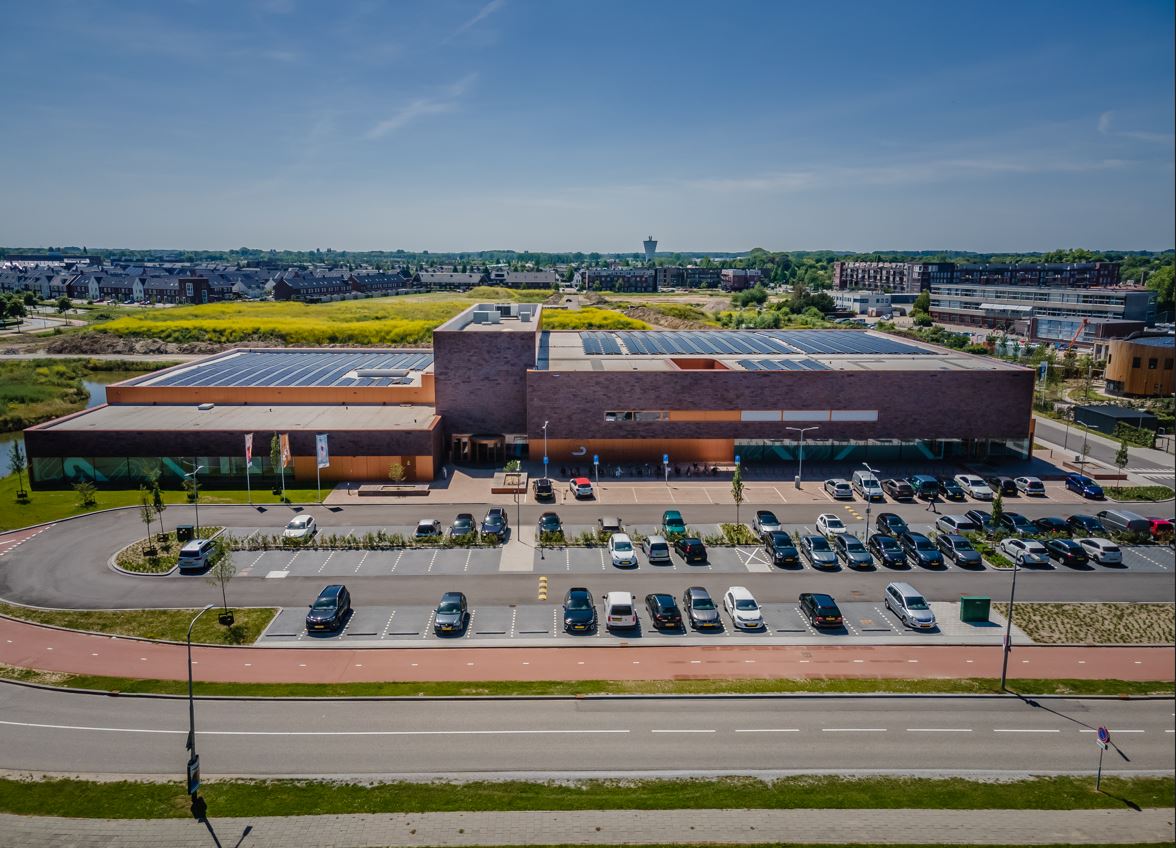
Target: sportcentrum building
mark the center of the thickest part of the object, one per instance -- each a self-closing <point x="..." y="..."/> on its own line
<point x="495" y="385"/>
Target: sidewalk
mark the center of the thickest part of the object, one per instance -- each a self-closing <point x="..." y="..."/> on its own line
<point x="612" y="827"/>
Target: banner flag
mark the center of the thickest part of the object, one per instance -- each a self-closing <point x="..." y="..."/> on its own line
<point x="248" y="448"/>
<point x="324" y="458"/>
<point x="284" y="441"/>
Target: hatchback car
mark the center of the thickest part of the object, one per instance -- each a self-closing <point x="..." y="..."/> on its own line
<point x="743" y="609"/>
<point x="452" y="614"/>
<point x="850" y="550"/>
<point x="672" y="523"/>
<point x="920" y="550"/>
<point x="330" y="609"/>
<point x="781" y="548"/>
<point x="580" y="487"/>
<point x="691" y="549"/>
<point x="816" y="550"/>
<point x="462" y="525"/>
<point x="543" y="489"/>
<point x="886" y="550"/>
<point x="959" y="551"/>
<point x="495" y="523"/>
<point x="950" y="490"/>
<point x="621" y="551"/>
<point x="1052" y="524"/>
<point x="820" y="609"/>
<point x="982" y="520"/>
<point x="1005" y="485"/>
<point x="956" y="524"/>
<point x="579" y="610"/>
<point x="549" y="523"/>
<point x="1014" y="522"/>
<point x="427" y="528"/>
<point x="620" y="613"/>
<point x="663" y="611"/>
<point x="1084" y="486"/>
<point x="839" y="489"/>
<point x="974" y="487"/>
<point x="1161" y="529"/>
<point x="900" y="490"/>
<point x="1031" y="486"/>
<point x="765" y="521"/>
<point x="829" y="524"/>
<point x="1067" y="552"/>
<point x="300" y="528"/>
<point x="911" y="607"/>
<point x="1086" y="525"/>
<point x="925" y="485"/>
<point x="610" y="524"/>
<point x="700" y="609"/>
<point x="1102" y="551"/>
<point x="656" y="549"/>
<point x="890" y="524"/>
<point x="1025" y="552"/>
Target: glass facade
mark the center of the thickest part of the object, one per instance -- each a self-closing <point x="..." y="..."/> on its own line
<point x="121" y="470"/>
<point x="771" y="451"/>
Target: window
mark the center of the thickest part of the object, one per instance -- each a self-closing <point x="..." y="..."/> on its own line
<point x="1152" y="364"/>
<point x="1135" y="362"/>
<point x="1168" y="364"/>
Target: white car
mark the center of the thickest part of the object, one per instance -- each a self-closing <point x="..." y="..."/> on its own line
<point x="839" y="489"/>
<point x="620" y="548"/>
<point x="1102" y="551"/>
<point x="1025" y="551"/>
<point x="744" y="611"/>
<point x="301" y="527"/>
<point x="765" y="521"/>
<point x="974" y="487"/>
<point x="1030" y="486"/>
<point x="580" y="487"/>
<point x="829" y="524"/>
<point x="619" y="610"/>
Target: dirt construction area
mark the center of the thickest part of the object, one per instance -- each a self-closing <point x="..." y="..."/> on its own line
<point x="1096" y="623"/>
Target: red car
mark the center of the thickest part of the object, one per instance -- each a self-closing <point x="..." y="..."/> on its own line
<point x="1161" y="529"/>
<point x="581" y="487"/>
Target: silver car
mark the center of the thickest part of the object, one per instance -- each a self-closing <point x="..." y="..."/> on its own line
<point x="911" y="608"/>
<point x="765" y="521"/>
<point x="656" y="548"/>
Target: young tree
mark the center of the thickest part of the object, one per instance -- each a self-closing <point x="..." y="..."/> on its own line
<point x="146" y="513"/>
<point x="86" y="494"/>
<point x="997" y="507"/>
<point x="64" y="304"/>
<point x="222" y="571"/>
<point x="922" y="302"/>
<point x="18" y="461"/>
<point x="397" y="472"/>
<point x="1123" y="456"/>
<point x="737" y="489"/>
<point x="276" y="462"/>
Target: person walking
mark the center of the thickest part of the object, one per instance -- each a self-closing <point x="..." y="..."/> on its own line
<point x="931" y="507"/>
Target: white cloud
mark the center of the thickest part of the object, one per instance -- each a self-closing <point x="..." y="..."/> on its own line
<point x="421" y="107"/>
<point x="483" y="13"/>
<point x="1104" y="126"/>
<point x="1104" y="122"/>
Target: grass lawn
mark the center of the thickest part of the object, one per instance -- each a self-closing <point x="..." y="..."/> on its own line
<point x="1096" y="623"/>
<point x="1150" y="494"/>
<point x="171" y="625"/>
<point x="230" y="798"/>
<point x="57" y="504"/>
<point x="974" y="685"/>
<point x="36" y="390"/>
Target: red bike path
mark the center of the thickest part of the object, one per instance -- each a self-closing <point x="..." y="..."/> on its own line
<point x="33" y="646"/>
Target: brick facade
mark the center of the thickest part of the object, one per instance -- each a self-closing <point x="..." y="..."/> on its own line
<point x="481" y="378"/>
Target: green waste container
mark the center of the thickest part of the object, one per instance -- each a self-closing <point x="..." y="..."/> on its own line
<point x="185" y="532"/>
<point x="974" y="607"/>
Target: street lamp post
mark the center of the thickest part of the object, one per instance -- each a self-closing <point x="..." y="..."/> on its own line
<point x="545" y="423"/>
<point x="800" y="468"/>
<point x="193" y="760"/>
<point x="874" y="471"/>
<point x="1008" y="639"/>
<point x="196" y="492"/>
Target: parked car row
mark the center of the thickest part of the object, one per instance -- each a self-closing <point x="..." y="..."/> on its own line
<point x="926" y="486"/>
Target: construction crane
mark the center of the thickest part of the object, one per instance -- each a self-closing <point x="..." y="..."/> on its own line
<point x="1081" y="326"/>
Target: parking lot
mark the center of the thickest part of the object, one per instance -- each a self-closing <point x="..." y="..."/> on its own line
<point x="541" y="624"/>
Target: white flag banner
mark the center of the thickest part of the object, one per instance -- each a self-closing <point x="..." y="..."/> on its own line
<point x="324" y="456"/>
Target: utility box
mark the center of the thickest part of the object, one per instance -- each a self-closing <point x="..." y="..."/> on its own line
<point x="974" y="608"/>
<point x="185" y="533"/>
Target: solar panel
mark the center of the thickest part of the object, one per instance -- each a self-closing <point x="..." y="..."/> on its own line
<point x="782" y="365"/>
<point x="298" y="368"/>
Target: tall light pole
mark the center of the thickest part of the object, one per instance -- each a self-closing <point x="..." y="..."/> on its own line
<point x="869" y="501"/>
<point x="800" y="468"/>
<point x="193" y="760"/>
<point x="196" y="492"/>
<point x="545" y="423"/>
<point x="1008" y="639"/>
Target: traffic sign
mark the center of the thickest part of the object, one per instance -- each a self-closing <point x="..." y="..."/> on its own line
<point x="1104" y="738"/>
<point x="736" y="459"/>
<point x="596" y="459"/>
<point x="193" y="774"/>
<point x="545" y="461"/>
<point x="665" y="459"/>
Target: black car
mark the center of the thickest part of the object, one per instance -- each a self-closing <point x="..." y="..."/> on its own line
<point x="549" y="523"/>
<point x="817" y="551"/>
<point x="851" y="551"/>
<point x="781" y="548"/>
<point x="886" y="550"/>
<point x="925" y="485"/>
<point x="981" y="519"/>
<point x="543" y="489"/>
<point x="920" y="550"/>
<point x="330" y="609"/>
<point x="890" y="524"/>
<point x="495" y="523"/>
<point x="452" y="614"/>
<point x="959" y="550"/>
<point x="1014" y="522"/>
<point x="950" y="490"/>
<point x="701" y="610"/>
<point x="821" y="610"/>
<point x="1086" y="525"/>
<point x="690" y="549"/>
<point x="1005" y="485"/>
<point x="463" y="525"/>
<point x="900" y="490"/>
<point x="1052" y="524"/>
<point x="1067" y="552"/>
<point x="663" y="611"/>
<point x="579" y="610"/>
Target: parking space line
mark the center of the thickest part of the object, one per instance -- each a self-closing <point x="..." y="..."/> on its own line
<point x="325" y="561"/>
<point x="555" y="622"/>
<point x="469" y="631"/>
<point x="256" y="561"/>
<point x="469" y="556"/>
<point x="603" y="567"/>
<point x="514" y="617"/>
<point x="429" y="625"/>
<point x="567" y="559"/>
<point x="398" y="558"/>
<point x="433" y="560"/>
<point x="362" y="559"/>
<point x="388" y="624"/>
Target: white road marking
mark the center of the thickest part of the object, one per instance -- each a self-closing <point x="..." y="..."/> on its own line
<point x="939" y="730"/>
<point x="309" y="732"/>
<point x="853" y="729"/>
<point x="768" y="730"/>
<point x="1114" y="730"/>
<point x="1025" y="730"/>
<point x="681" y="730"/>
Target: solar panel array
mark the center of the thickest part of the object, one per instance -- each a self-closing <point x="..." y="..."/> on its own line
<point x="297" y="368"/>
<point x="742" y="343"/>
<point x="782" y="365"/>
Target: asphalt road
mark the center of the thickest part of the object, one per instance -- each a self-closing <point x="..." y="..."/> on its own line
<point x="44" y="731"/>
<point x="1055" y="433"/>
<point x="66" y="567"/>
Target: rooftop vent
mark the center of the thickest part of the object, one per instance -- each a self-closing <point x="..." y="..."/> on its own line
<point x="204" y="407"/>
<point x="381" y="372"/>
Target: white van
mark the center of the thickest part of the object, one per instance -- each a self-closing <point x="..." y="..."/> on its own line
<point x="197" y="554"/>
<point x="619" y="611"/>
<point x="867" y="486"/>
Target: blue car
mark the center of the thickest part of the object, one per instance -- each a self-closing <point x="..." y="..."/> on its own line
<point x="1084" y="486"/>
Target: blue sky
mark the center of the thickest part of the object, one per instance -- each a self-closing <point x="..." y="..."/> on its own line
<point x="560" y="125"/>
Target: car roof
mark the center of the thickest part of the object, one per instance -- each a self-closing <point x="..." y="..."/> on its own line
<point x="620" y="537"/>
<point x="579" y="481"/>
<point x="697" y="592"/>
<point x="759" y="512"/>
<point x="904" y="588"/>
<point x="332" y="590"/>
<point x="671" y="513"/>
<point x="618" y="597"/>
<point x="579" y="590"/>
<point x="822" y="600"/>
<point x="663" y="598"/>
<point x="468" y="515"/>
<point x="739" y="592"/>
<point x="451" y="596"/>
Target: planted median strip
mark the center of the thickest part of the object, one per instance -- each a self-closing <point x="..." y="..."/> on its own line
<point x="167" y="624"/>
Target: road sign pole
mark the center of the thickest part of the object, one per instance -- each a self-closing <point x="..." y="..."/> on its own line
<point x="1103" y="740"/>
<point x="1098" y="776"/>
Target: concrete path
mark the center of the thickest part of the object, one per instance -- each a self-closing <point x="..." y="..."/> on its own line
<point x="613" y="827"/>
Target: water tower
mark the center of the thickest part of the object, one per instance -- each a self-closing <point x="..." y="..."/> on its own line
<point x="650" y="248"/>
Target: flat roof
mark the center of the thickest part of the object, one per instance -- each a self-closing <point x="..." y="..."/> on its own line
<point x="285" y="367"/>
<point x="751" y="350"/>
<point x="1152" y="341"/>
<point x="248" y="418"/>
<point x="496" y="318"/>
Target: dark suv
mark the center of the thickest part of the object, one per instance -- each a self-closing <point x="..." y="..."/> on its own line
<point x="330" y="609"/>
<point x="950" y="490"/>
<point x="544" y="491"/>
<point x="920" y="550"/>
<point x="887" y="550"/>
<point x="1014" y="522"/>
<point x="579" y="610"/>
<point x="900" y="490"/>
<point x="821" y="610"/>
<point x="663" y="611"/>
<point x="959" y="550"/>
<point x="495" y="523"/>
<point x="890" y="524"/>
<point x="780" y="548"/>
<point x="690" y="549"/>
<point x="925" y="485"/>
<point x="1005" y="485"/>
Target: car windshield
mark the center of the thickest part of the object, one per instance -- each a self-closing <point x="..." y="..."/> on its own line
<point x="324" y="603"/>
<point x="923" y="543"/>
<point x="767" y="518"/>
<point x="425" y="527"/>
<point x="578" y="602"/>
<point x="832" y="521"/>
<point x="885" y="542"/>
<point x="449" y="606"/>
<point x="703" y="604"/>
<point x="963" y="545"/>
<point x="746" y="604"/>
<point x="915" y="602"/>
<point x="493" y="519"/>
<point x="828" y="611"/>
<point x="623" y="545"/>
<point x="853" y="545"/>
<point x="298" y="523"/>
<point x="781" y="538"/>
